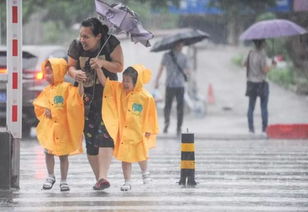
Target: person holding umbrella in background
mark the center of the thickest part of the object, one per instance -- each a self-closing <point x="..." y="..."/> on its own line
<point x="257" y="86"/>
<point x="176" y="65"/>
<point x="177" y="69"/>
<point x="256" y="65"/>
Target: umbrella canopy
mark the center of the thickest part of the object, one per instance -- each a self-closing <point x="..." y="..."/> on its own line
<point x="119" y="18"/>
<point x="188" y="37"/>
<point x="272" y="29"/>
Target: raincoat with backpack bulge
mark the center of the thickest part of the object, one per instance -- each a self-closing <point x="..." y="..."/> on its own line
<point x="128" y="116"/>
<point x="63" y="133"/>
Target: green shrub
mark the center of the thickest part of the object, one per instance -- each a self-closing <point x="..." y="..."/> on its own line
<point x="238" y="60"/>
<point x="282" y="76"/>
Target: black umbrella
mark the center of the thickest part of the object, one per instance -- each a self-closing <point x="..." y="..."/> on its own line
<point x="119" y="18"/>
<point x="187" y="37"/>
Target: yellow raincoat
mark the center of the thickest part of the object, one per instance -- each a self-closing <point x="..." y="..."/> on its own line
<point x="62" y="134"/>
<point x="128" y="116"/>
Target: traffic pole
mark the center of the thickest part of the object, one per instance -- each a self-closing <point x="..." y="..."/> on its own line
<point x="14" y="83"/>
<point x="5" y="159"/>
<point x="187" y="177"/>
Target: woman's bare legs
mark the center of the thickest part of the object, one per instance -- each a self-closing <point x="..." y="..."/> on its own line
<point x="93" y="160"/>
<point x="104" y="161"/>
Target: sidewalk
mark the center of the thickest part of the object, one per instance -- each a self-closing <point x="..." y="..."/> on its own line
<point x="226" y="118"/>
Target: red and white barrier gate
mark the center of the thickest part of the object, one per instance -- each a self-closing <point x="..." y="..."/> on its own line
<point x="14" y="67"/>
<point x="14" y="86"/>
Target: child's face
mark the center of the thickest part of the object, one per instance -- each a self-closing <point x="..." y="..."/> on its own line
<point x="49" y="74"/>
<point x="128" y="83"/>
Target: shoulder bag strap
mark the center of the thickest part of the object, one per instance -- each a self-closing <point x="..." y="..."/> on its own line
<point x="248" y="67"/>
<point x="177" y="65"/>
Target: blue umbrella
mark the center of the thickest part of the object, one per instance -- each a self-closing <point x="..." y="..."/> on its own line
<point x="272" y="29"/>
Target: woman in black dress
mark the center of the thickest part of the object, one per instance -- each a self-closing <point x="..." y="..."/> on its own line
<point x="85" y="67"/>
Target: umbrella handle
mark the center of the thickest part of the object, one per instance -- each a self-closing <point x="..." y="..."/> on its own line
<point x="103" y="46"/>
<point x="273" y="46"/>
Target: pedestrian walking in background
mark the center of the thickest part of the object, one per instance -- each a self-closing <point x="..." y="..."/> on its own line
<point x="59" y="131"/>
<point x="257" y="86"/>
<point x="129" y="112"/>
<point x="176" y="65"/>
<point x="95" y="52"/>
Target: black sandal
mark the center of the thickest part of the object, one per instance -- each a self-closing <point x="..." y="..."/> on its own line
<point x="49" y="183"/>
<point x="64" y="187"/>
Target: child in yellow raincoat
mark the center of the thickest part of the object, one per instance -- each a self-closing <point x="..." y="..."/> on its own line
<point x="59" y="109"/>
<point x="130" y="116"/>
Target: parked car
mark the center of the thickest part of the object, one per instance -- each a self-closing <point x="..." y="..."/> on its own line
<point x="33" y="82"/>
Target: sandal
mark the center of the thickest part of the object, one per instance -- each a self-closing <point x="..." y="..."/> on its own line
<point x="101" y="184"/>
<point x="64" y="187"/>
<point x="49" y="183"/>
<point x="146" y="178"/>
<point x="126" y="187"/>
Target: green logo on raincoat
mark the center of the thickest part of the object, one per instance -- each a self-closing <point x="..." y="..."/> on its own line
<point x="58" y="100"/>
<point x="137" y="108"/>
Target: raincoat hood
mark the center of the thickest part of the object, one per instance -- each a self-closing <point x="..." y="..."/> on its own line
<point x="144" y="76"/>
<point x="59" y="68"/>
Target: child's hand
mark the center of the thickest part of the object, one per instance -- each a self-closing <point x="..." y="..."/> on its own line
<point x="147" y="134"/>
<point x="47" y="113"/>
<point x="96" y="63"/>
<point x="80" y="76"/>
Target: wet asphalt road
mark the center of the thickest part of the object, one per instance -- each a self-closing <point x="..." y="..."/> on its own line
<point x="232" y="175"/>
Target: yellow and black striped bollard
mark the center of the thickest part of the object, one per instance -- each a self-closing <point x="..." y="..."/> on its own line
<point x="187" y="160"/>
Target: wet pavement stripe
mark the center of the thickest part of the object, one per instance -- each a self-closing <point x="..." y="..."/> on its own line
<point x="195" y="208"/>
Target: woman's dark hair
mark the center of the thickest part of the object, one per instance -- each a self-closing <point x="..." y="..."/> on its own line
<point x="130" y="71"/>
<point x="258" y="43"/>
<point x="96" y="26"/>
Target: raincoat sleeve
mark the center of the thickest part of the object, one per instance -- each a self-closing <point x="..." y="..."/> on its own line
<point x="110" y="110"/>
<point x="75" y="115"/>
<point x="40" y="103"/>
<point x="151" y="122"/>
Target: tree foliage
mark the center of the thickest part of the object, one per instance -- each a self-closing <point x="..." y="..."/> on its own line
<point x="67" y="12"/>
<point x="238" y="13"/>
<point x="240" y="7"/>
<point x="72" y="11"/>
<point x="154" y="3"/>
